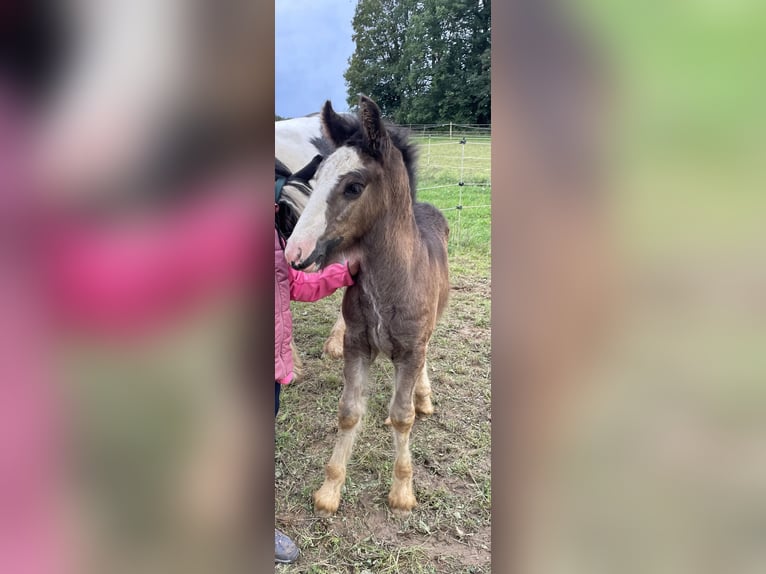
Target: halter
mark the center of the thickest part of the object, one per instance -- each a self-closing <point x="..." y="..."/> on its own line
<point x="279" y="183"/>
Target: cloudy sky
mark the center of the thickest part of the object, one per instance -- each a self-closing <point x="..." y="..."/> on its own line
<point x="313" y="44"/>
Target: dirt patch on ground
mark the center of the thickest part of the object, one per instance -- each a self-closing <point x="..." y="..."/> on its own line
<point x="449" y="531"/>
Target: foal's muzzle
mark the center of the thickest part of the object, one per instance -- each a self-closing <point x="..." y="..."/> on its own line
<point x="318" y="256"/>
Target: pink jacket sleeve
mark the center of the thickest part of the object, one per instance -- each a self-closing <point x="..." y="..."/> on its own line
<point x="314" y="286"/>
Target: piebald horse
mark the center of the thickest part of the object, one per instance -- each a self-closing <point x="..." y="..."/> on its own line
<point x="299" y="147"/>
<point x="363" y="202"/>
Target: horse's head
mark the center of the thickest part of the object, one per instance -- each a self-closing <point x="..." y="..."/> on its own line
<point x="362" y="182"/>
<point x="292" y="191"/>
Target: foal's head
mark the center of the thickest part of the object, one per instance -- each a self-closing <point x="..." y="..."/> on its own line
<point x="367" y="179"/>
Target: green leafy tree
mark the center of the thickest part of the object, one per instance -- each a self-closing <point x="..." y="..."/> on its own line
<point x="423" y="61"/>
<point x="375" y="68"/>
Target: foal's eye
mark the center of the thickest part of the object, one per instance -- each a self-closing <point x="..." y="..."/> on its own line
<point x="353" y="190"/>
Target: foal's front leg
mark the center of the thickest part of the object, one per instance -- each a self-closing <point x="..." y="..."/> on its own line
<point x="402" y="415"/>
<point x="350" y="411"/>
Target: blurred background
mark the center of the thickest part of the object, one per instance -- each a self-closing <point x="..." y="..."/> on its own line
<point x="659" y="458"/>
<point x="659" y="463"/>
<point x="135" y="144"/>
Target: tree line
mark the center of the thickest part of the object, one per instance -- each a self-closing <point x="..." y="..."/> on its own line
<point x="423" y="61"/>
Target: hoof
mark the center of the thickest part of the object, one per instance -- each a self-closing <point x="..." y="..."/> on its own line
<point x="401" y="504"/>
<point x="323" y="513"/>
<point x="326" y="501"/>
<point x="333" y="348"/>
<point x="401" y="513"/>
<point x="423" y="406"/>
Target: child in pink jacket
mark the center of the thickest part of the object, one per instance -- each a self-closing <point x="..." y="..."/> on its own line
<point x="290" y="284"/>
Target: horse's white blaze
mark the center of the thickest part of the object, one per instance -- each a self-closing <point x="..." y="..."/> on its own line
<point x="313" y="221"/>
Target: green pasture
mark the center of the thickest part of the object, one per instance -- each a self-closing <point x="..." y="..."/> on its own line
<point x="443" y="163"/>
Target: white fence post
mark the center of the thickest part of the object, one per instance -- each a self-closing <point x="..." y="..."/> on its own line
<point x="460" y="184"/>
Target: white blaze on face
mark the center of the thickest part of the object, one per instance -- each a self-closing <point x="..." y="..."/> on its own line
<point x="313" y="221"/>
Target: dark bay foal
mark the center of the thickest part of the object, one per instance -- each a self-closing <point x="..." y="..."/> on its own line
<point x="363" y="204"/>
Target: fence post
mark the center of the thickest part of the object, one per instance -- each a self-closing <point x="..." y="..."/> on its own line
<point x="428" y="161"/>
<point x="450" y="130"/>
<point x="460" y="184"/>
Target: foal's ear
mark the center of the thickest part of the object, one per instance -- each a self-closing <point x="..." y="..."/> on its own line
<point x="375" y="134"/>
<point x="336" y="127"/>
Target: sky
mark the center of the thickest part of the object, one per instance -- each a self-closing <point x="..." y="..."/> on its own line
<point x="312" y="48"/>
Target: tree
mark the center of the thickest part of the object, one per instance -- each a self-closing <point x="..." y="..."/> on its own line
<point x="423" y="61"/>
<point x="375" y="68"/>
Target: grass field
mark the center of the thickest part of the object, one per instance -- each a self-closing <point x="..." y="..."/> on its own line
<point x="449" y="532"/>
<point x="440" y="173"/>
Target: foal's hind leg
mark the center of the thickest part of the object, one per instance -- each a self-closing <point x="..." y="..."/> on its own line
<point x="402" y="415"/>
<point x="350" y="412"/>
<point x="333" y="346"/>
<point x="423" y="404"/>
<point x="297" y="362"/>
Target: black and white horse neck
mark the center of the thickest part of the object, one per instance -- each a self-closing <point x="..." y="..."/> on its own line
<point x="298" y="140"/>
<point x="298" y="143"/>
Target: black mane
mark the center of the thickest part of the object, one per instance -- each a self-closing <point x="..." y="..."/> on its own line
<point x="400" y="137"/>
